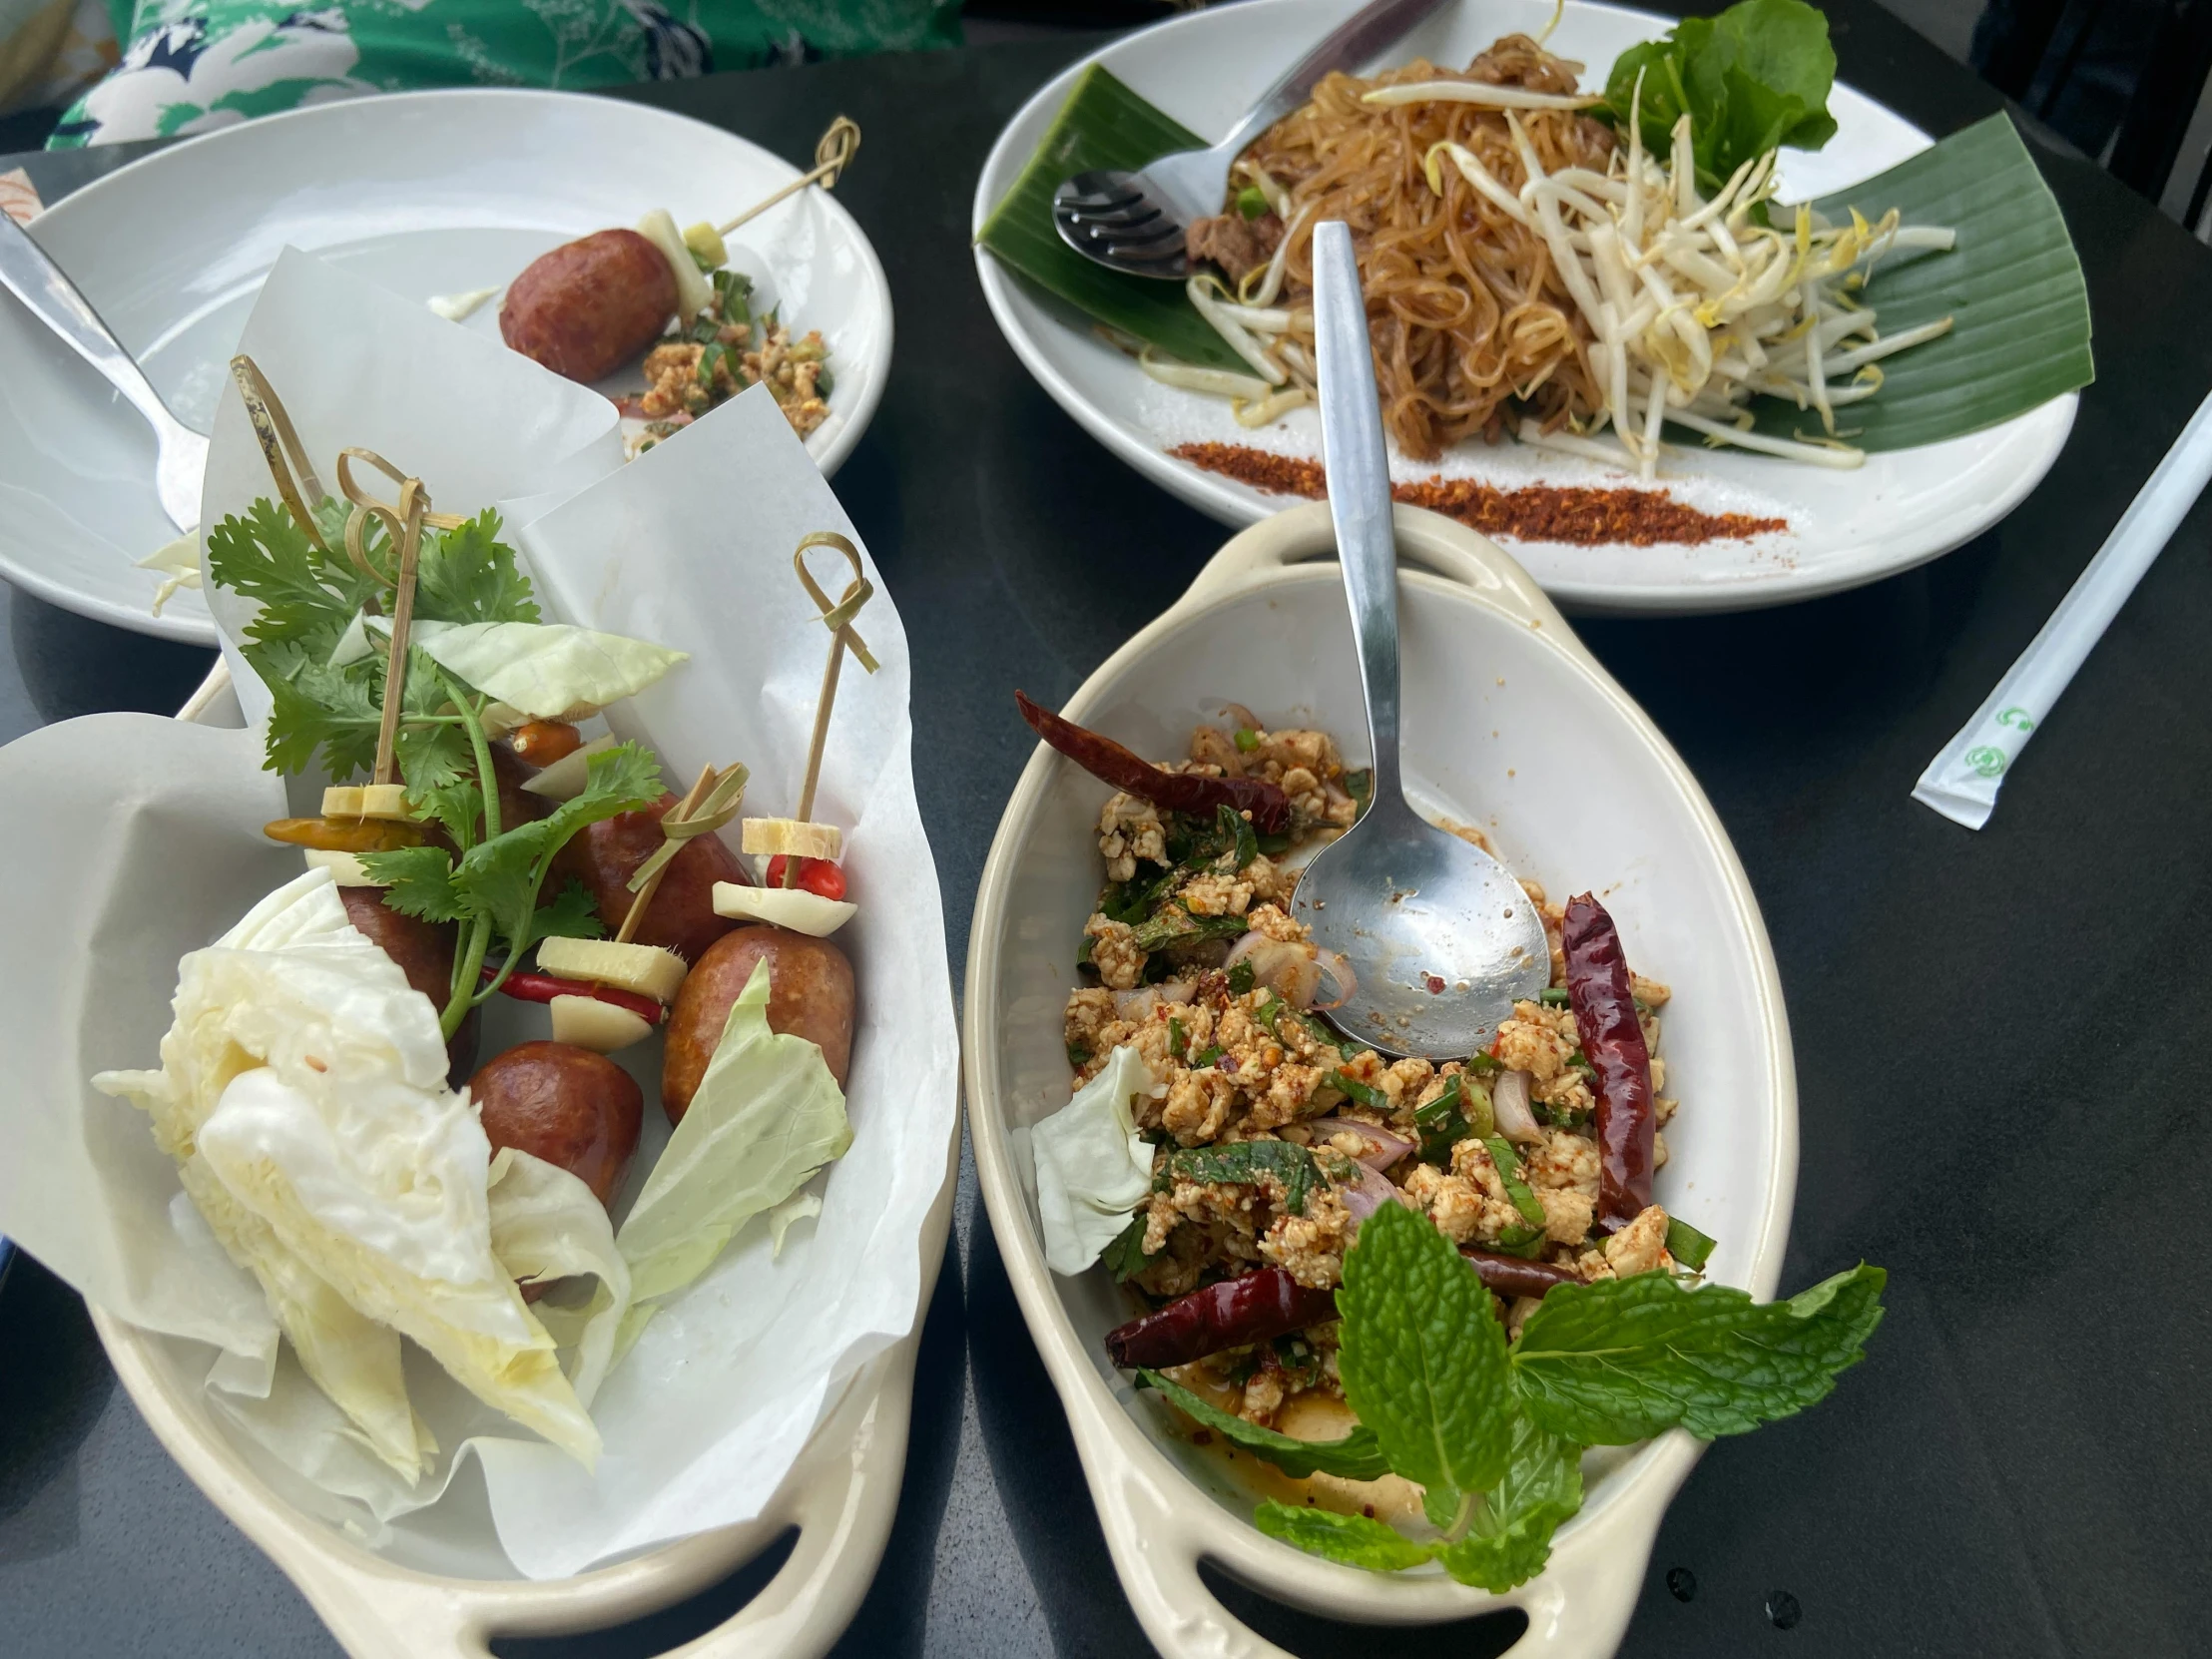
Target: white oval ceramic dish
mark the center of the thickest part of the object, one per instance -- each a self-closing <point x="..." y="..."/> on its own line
<point x="1846" y="528"/>
<point x="841" y="1495"/>
<point x="427" y="192"/>
<point x="1509" y="723"/>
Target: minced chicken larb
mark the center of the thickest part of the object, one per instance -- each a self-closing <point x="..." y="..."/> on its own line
<point x="1197" y="964"/>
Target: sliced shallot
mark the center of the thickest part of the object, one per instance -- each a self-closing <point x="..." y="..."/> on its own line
<point x="1291" y="970"/>
<point x="1510" y="1105"/>
<point x="1385" y="1148"/>
<point x="1368" y="1194"/>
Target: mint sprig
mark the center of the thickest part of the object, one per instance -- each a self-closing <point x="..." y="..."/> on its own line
<point x="1494" y="1432"/>
<point x="1422" y="1359"/>
<point x="1622" y="1359"/>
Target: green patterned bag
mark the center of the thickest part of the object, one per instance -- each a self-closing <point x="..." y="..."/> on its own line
<point x="194" y="65"/>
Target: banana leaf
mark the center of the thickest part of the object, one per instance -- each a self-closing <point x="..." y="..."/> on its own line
<point x="1103" y="124"/>
<point x="2013" y="287"/>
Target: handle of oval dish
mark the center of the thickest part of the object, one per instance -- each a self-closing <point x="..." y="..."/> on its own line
<point x="1157" y="1560"/>
<point x="1426" y="540"/>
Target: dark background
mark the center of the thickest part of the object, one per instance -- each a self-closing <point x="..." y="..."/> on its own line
<point x="1990" y="1028"/>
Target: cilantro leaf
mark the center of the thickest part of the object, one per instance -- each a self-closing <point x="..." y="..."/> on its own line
<point x="317" y="707"/>
<point x="418" y="881"/>
<point x="1358" y="1456"/>
<point x="1245" y="1162"/>
<point x="1355" y="1540"/>
<point x="440" y="772"/>
<point x="1621" y="1360"/>
<point x="1509" y="1538"/>
<point x="1422" y="1357"/>
<point x="467" y="574"/>
<point x="306" y="598"/>
<point x="570" y="915"/>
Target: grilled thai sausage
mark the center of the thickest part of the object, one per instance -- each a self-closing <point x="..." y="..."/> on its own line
<point x="566" y="1105"/>
<point x="591" y="306"/>
<point x="809" y="995"/>
<point x="604" y="855"/>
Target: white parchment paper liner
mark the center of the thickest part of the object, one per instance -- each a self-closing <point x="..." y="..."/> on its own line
<point x="134" y="839"/>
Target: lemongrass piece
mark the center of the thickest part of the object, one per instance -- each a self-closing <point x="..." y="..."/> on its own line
<point x="1218" y="382"/>
<point x="1481" y="93"/>
<point x="1839" y="456"/>
<point x="1231" y="331"/>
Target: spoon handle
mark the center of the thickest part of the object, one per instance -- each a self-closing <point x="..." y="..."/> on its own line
<point x="27" y="273"/>
<point x="1358" y="489"/>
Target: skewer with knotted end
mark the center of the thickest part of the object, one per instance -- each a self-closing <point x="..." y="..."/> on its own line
<point x="835" y="150"/>
<point x="712" y="801"/>
<point x="838" y="618"/>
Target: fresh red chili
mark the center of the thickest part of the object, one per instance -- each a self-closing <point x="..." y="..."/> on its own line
<point x="1604" y="1005"/>
<point x="819" y="876"/>
<point x="543" y="988"/>
<point x="1512" y="1276"/>
<point x="1269" y="1303"/>
<point x="1178" y="791"/>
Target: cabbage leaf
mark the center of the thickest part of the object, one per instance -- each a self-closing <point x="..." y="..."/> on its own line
<point x="548" y="670"/>
<point x="766" y="1116"/>
<point x="1093" y="1167"/>
<point x="546" y="1224"/>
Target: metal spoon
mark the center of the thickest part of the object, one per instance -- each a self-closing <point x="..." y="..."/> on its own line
<point x="1440" y="939"/>
<point x="181" y="454"/>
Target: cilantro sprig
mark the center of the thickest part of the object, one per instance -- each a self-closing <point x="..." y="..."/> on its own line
<point x="1493" y="1432"/>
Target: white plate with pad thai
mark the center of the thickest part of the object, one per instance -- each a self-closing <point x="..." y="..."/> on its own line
<point x="1685" y="322"/>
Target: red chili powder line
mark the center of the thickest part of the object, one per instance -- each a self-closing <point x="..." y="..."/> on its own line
<point x="1539" y="512"/>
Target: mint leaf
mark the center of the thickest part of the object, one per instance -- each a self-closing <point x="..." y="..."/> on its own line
<point x="1246" y="1163"/>
<point x="1509" y="1538"/>
<point x="1621" y="1360"/>
<point x="1421" y="1354"/>
<point x="1355" y="1540"/>
<point x="1125" y="1256"/>
<point x="418" y="881"/>
<point x="1356" y="1456"/>
<point x="468" y="575"/>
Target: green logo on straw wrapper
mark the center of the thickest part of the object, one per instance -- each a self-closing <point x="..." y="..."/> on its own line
<point x="1987" y="762"/>
<point x="2017" y="718"/>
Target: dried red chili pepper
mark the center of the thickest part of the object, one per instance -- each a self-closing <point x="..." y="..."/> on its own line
<point x="544" y="988"/>
<point x="1269" y="1303"/>
<point x="1614" y="1042"/>
<point x="1514" y="1275"/>
<point x="1178" y="791"/>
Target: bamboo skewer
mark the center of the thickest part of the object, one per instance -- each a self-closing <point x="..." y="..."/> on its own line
<point x="712" y="801"/>
<point x="832" y="153"/>
<point x="838" y="618"/>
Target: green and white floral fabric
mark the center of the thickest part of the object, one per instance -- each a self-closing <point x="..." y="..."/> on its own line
<point x="194" y="65"/>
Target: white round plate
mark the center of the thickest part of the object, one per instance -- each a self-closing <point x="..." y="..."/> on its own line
<point x="427" y="192"/>
<point x="1844" y="528"/>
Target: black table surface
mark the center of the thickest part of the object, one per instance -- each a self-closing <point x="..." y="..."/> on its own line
<point x="1985" y="1025"/>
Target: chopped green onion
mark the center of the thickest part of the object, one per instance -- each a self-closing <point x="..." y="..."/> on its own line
<point x="708" y="359"/>
<point x="1175" y="1038"/>
<point x="1253" y="201"/>
<point x="1509" y="1168"/>
<point x="1247" y="739"/>
<point x="1440" y="1124"/>
<point x="1554" y="996"/>
<point x="1362" y="1092"/>
<point x="1482" y="1065"/>
<point x="1687" y="1245"/>
<point x="1321" y="1034"/>
<point x="1208" y="1055"/>
<point x="1078" y="1056"/>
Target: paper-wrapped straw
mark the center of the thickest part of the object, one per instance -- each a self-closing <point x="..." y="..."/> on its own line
<point x="1961" y="781"/>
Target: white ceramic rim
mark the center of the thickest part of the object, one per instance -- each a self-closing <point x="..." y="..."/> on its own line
<point x="246" y="135"/>
<point x="1158" y="1524"/>
<point x="841" y="1494"/>
<point x="1237" y="505"/>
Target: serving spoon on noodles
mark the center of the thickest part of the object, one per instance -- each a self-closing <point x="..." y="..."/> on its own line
<point x="1441" y="938"/>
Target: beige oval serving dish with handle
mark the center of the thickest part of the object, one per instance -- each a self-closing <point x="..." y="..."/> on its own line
<point x="447" y="1594"/>
<point x="1512" y="724"/>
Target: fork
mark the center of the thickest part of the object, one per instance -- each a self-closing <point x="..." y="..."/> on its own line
<point x="29" y="273"/>
<point x="1138" y="221"/>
